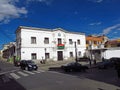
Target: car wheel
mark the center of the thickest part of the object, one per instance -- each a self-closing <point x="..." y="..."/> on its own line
<point x="23" y="68"/>
<point x="67" y="70"/>
<point x="71" y="70"/>
<point x="36" y="69"/>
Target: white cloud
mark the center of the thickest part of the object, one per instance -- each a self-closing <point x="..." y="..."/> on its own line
<point x="9" y="10"/>
<point x="96" y="1"/>
<point x="107" y="30"/>
<point x="96" y="23"/>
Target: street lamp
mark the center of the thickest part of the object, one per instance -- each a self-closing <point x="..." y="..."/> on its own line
<point x="75" y="52"/>
<point x="90" y="53"/>
<point x="45" y="54"/>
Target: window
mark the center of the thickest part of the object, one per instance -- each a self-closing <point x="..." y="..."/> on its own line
<point x="46" y="40"/>
<point x="33" y="56"/>
<point x="71" y="54"/>
<point x="59" y="41"/>
<point x="79" y="53"/>
<point x="47" y="55"/>
<point x="87" y="42"/>
<point x="33" y="40"/>
<point x="95" y="42"/>
<point x="78" y="41"/>
<point x="70" y="41"/>
<point x="90" y="42"/>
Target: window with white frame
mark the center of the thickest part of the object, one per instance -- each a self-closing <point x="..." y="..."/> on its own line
<point x="59" y="41"/>
<point x="47" y="55"/>
<point x="33" y="56"/>
<point x="33" y="40"/>
<point x="46" y="40"/>
<point x="78" y="41"/>
<point x="70" y="41"/>
<point x="79" y="53"/>
<point x="71" y="54"/>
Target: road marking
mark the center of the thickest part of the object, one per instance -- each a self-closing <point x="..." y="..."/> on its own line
<point x="2" y="73"/>
<point x="28" y="72"/>
<point x="37" y="71"/>
<point x="14" y="76"/>
<point x="23" y="74"/>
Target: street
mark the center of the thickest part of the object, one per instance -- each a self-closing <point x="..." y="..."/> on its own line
<point x="93" y="79"/>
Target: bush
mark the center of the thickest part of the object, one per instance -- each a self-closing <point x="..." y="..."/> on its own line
<point x="10" y="60"/>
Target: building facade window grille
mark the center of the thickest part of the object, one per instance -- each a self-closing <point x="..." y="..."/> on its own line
<point x="70" y="41"/>
<point x="79" y="53"/>
<point x="47" y="55"/>
<point x="71" y="54"/>
<point x="33" y="40"/>
<point x="59" y="41"/>
<point x="78" y="42"/>
<point x="46" y="40"/>
<point x="33" y="56"/>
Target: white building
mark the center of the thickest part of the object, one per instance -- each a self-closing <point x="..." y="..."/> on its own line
<point x="50" y="44"/>
<point x="111" y="52"/>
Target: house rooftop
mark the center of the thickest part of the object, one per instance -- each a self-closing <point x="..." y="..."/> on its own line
<point x="44" y="29"/>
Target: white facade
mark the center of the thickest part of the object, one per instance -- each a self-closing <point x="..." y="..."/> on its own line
<point x="40" y="50"/>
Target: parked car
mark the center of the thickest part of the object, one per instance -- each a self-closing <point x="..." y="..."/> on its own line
<point x="105" y="64"/>
<point x="28" y="65"/>
<point x="115" y="59"/>
<point x="84" y="59"/>
<point x="74" y="66"/>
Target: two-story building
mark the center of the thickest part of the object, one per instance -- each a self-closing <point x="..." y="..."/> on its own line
<point x="50" y="44"/>
<point x="8" y="50"/>
<point x="112" y="43"/>
<point x="94" y="46"/>
<point x="95" y="42"/>
<point x="0" y="54"/>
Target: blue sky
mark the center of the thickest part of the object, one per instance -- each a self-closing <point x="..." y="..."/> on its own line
<point x="87" y="16"/>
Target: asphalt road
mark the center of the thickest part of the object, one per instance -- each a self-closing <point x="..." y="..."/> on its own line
<point x="93" y="79"/>
<point x="51" y="80"/>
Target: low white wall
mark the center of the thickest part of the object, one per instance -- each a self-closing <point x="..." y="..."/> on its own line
<point x="111" y="53"/>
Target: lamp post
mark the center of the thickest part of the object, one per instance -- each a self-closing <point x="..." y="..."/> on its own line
<point x="75" y="52"/>
<point x="45" y="55"/>
<point x="90" y="54"/>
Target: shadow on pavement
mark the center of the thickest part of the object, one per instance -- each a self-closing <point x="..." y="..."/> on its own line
<point x="57" y="69"/>
<point x="103" y="75"/>
<point x="7" y="83"/>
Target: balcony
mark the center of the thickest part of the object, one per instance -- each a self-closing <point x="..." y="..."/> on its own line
<point x="60" y="46"/>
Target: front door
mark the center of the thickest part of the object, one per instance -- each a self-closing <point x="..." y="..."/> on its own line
<point x="60" y="55"/>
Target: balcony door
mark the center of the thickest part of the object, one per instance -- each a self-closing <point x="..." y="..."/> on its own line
<point x="59" y="41"/>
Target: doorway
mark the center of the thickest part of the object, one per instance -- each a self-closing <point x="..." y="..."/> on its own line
<point x="60" y="55"/>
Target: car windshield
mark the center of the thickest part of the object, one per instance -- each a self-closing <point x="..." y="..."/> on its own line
<point x="72" y="63"/>
<point x="30" y="62"/>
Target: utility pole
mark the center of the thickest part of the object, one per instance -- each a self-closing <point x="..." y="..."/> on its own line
<point x="45" y="56"/>
<point x="75" y="52"/>
<point x="90" y="54"/>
